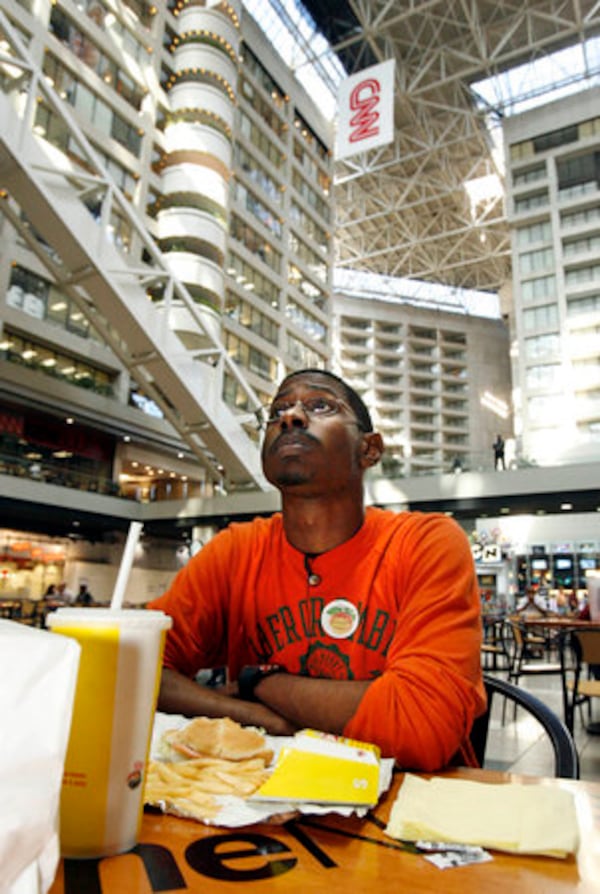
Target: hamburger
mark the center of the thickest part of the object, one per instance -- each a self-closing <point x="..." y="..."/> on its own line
<point x="220" y="738"/>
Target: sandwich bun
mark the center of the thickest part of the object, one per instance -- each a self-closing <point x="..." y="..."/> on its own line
<point x="219" y="737"/>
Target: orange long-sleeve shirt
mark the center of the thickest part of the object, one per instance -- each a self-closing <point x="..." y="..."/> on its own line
<point x="245" y="598"/>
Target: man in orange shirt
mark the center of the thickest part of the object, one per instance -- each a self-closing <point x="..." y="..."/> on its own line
<point x="361" y="622"/>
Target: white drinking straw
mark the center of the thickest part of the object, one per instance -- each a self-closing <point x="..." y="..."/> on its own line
<point x="135" y="529"/>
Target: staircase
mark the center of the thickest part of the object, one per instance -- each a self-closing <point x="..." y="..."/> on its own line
<point x="63" y="210"/>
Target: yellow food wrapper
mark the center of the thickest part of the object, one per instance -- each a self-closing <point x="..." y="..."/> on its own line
<point x="324" y="769"/>
<point x="524" y="819"/>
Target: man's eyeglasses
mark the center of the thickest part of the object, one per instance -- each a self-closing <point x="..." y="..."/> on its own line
<point x="313" y="407"/>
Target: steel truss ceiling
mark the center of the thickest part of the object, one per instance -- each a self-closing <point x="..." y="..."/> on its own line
<point x="403" y="210"/>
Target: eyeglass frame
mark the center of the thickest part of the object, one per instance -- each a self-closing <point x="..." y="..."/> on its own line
<point x="337" y="402"/>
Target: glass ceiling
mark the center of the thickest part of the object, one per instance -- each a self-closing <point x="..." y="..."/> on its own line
<point x="291" y="30"/>
<point x="551" y="77"/>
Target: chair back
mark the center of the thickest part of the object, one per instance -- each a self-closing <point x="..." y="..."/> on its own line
<point x="585" y="649"/>
<point x="586" y="645"/>
<point x="517" y="632"/>
<point x="566" y="759"/>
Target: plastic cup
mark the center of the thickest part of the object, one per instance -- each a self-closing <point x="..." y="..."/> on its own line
<point x="592" y="580"/>
<point x="115" y="700"/>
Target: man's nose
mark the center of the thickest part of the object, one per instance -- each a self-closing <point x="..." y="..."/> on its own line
<point x="295" y="416"/>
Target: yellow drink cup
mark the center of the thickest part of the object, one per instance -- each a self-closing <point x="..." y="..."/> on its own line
<point x="115" y="700"/>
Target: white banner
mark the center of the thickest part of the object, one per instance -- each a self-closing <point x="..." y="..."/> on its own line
<point x="366" y="110"/>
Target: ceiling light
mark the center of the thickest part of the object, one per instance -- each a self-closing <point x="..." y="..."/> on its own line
<point x="566" y="506"/>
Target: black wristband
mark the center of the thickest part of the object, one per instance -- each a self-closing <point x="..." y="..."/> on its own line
<point x="251" y="675"/>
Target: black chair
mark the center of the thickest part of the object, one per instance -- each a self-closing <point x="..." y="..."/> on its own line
<point x="583" y="687"/>
<point x="566" y="759"/>
<point x="495" y="649"/>
<point x="523" y="664"/>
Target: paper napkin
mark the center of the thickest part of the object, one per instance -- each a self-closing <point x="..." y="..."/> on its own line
<point x="525" y="819"/>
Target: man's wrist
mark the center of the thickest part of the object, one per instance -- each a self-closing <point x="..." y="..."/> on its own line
<point x="251" y="675"/>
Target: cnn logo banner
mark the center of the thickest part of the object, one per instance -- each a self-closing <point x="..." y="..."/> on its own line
<point x="366" y="110"/>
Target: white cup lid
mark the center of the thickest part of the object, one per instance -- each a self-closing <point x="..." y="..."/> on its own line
<point x="126" y="617"/>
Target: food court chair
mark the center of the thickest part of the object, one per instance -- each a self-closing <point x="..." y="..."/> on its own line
<point x="495" y="648"/>
<point x="523" y="665"/>
<point x="582" y="688"/>
<point x="566" y="759"/>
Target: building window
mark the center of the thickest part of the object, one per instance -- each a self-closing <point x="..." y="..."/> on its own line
<point x="554" y="138"/>
<point x="302" y="355"/>
<point x="587" y="305"/>
<point x="582" y="245"/>
<point x="308" y="288"/>
<point x="540" y="317"/>
<point x="542" y="346"/>
<point x="260" y="140"/>
<point x="255" y="243"/>
<point x="40" y="358"/>
<point x="313" y="327"/>
<point x="309" y="227"/>
<point x="311" y="196"/>
<point x="530" y="175"/>
<point x="533" y="261"/>
<point x="257" y="174"/>
<point x="250" y="357"/>
<point x="265" y="110"/>
<point x="39" y="298"/>
<point x="537" y="232"/>
<point x="535" y="289"/>
<point x="262" y="76"/>
<point x="247" y="277"/>
<point x="91" y="107"/>
<point x="250" y="317"/>
<point x="547" y="375"/>
<point x="579" y="217"/>
<point x="579" y="275"/>
<point x="258" y="209"/>
<point x="527" y="203"/>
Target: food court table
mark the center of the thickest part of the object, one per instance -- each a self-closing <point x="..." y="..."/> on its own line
<point x="554" y="622"/>
<point x="329" y="853"/>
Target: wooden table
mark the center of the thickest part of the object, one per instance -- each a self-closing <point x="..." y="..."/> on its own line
<point x="554" y="622"/>
<point x="329" y="854"/>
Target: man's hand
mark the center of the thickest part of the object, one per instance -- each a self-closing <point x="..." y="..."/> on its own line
<point x="180" y="695"/>
<point x="313" y="702"/>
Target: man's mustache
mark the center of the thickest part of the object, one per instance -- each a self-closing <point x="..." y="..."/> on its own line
<point x="293" y="436"/>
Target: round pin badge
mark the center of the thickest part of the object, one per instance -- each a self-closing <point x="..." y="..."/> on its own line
<point x="339" y="619"/>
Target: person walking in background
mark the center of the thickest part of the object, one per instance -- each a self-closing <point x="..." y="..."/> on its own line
<point x="498" y="447"/>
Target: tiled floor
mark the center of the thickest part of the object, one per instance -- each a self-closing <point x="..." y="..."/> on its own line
<point x="521" y="746"/>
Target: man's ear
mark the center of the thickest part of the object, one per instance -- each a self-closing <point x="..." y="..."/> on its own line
<point x="372" y="449"/>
